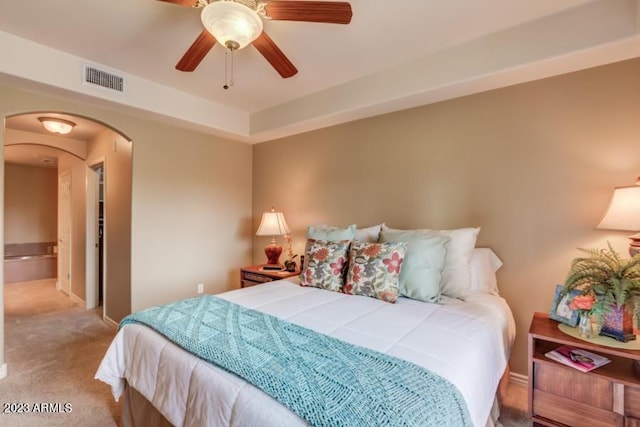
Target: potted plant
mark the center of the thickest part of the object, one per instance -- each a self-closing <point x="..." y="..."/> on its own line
<point x="612" y="283"/>
<point x="290" y="264"/>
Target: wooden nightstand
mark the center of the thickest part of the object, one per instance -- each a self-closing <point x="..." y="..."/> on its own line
<point x="560" y="395"/>
<point x="254" y="275"/>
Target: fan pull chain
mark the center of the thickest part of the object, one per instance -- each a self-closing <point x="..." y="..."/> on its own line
<point x="228" y="69"/>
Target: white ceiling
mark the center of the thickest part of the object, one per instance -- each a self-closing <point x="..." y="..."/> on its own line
<point x="393" y="55"/>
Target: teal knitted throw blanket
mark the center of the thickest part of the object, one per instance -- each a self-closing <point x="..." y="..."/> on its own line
<point x="326" y="381"/>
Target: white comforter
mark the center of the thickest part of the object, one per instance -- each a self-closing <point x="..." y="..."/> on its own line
<point x="466" y="342"/>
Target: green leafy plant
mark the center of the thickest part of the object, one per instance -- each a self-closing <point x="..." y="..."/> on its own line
<point x="602" y="273"/>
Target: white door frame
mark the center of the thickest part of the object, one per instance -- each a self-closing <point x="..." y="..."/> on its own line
<point x="65" y="214"/>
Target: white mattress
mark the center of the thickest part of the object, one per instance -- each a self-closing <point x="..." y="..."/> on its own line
<point x="467" y="342"/>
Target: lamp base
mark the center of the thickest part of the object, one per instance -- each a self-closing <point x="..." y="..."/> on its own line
<point x="273" y="251"/>
<point x="634" y="245"/>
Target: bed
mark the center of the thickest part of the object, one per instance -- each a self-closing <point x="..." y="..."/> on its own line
<point x="467" y="342"/>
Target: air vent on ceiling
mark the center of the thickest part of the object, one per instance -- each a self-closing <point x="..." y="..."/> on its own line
<point x="96" y="77"/>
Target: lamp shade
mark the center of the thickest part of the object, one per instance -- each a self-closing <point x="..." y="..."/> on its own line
<point x="273" y="224"/>
<point x="623" y="212"/>
<point x="233" y="25"/>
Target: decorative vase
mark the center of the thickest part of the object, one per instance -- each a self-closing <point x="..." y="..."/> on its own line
<point x="273" y="251"/>
<point x="618" y="323"/>
<point x="585" y="329"/>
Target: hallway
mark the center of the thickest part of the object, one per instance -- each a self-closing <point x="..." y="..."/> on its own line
<point x="53" y="348"/>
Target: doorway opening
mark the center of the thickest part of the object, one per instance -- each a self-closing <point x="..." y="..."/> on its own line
<point x="94" y="172"/>
<point x="100" y="171"/>
<point x="95" y="236"/>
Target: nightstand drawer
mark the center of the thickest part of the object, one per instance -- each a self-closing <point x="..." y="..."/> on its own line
<point x="632" y="401"/>
<point x="572" y="412"/>
<point x="569" y="383"/>
<point x="253" y="277"/>
<point x="256" y="275"/>
<point x="631" y="422"/>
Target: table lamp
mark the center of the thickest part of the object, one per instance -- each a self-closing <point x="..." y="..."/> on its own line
<point x="623" y="213"/>
<point x="273" y="224"/>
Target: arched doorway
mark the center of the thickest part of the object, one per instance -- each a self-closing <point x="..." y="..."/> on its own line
<point x="94" y="205"/>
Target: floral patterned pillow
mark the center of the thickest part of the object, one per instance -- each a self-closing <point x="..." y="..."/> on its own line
<point x="374" y="269"/>
<point x="325" y="263"/>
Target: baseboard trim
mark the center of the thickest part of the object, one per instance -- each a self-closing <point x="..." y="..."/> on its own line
<point x="3" y="370"/>
<point x="110" y="322"/>
<point x="519" y="379"/>
<point x="76" y="299"/>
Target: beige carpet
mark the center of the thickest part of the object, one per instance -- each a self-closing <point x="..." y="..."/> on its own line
<point x="53" y="348"/>
<point x="514" y="411"/>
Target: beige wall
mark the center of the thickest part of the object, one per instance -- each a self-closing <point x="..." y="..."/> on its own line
<point x="192" y="209"/>
<point x="534" y="165"/>
<point x="191" y="203"/>
<point x="30" y="204"/>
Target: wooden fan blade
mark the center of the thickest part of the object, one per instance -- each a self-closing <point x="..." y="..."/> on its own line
<point x="275" y="56"/>
<point x="190" y="3"/>
<point x="332" y="12"/>
<point x="196" y="52"/>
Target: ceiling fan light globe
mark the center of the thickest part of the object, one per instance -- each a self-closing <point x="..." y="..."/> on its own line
<point x="231" y="23"/>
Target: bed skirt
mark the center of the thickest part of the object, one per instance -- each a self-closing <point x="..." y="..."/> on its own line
<point x="137" y="411"/>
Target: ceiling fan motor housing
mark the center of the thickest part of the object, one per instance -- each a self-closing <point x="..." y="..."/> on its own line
<point x="233" y="24"/>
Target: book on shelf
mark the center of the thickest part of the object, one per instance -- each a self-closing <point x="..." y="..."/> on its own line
<point x="577" y="358"/>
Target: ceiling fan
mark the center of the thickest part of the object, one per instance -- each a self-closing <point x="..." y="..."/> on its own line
<point x="238" y="23"/>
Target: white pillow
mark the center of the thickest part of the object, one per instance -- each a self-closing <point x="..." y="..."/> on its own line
<point x="456" y="274"/>
<point x="368" y="234"/>
<point x="484" y="264"/>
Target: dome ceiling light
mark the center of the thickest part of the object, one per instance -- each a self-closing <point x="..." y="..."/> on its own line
<point x="57" y="126"/>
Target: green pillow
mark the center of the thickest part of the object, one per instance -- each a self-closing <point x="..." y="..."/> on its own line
<point x="423" y="263"/>
<point x="331" y="234"/>
<point x="327" y="233"/>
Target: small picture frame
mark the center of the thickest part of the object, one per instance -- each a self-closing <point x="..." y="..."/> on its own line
<point x="560" y="310"/>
